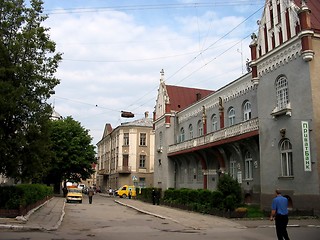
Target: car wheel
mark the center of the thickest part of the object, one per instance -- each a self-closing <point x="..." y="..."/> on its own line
<point x="124" y="195"/>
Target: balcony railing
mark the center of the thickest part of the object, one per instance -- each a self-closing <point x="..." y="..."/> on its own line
<point x="124" y="169"/>
<point x="235" y="130"/>
<point x="104" y="171"/>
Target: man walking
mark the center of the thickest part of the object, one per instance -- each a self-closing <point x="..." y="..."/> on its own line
<point x="90" y="194"/>
<point x="279" y="213"/>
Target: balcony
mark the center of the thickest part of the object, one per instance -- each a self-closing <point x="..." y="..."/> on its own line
<point x="103" y="172"/>
<point x="124" y="169"/>
<point x="228" y="132"/>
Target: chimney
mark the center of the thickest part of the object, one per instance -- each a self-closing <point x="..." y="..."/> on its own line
<point x="198" y="96"/>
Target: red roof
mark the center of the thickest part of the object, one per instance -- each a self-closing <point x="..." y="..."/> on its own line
<point x="182" y="97"/>
<point x="314" y="6"/>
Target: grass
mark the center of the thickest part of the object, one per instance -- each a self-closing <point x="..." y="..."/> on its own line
<point x="254" y="211"/>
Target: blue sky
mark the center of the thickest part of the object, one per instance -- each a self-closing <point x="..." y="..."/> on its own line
<point x="113" y="52"/>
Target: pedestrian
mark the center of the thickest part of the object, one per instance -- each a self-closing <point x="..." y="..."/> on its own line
<point x="90" y="194"/>
<point x="153" y="197"/>
<point x="65" y="191"/>
<point x="110" y="192"/>
<point x="157" y="197"/>
<point x="130" y="193"/>
<point x="279" y="213"/>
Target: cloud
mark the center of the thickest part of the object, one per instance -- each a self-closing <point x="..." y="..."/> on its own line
<point x="112" y="60"/>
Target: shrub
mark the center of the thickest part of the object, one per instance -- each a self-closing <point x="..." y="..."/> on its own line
<point x="231" y="191"/>
<point x="216" y="200"/>
<point x="22" y="195"/>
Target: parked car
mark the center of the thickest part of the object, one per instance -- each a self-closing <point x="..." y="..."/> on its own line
<point x="126" y="191"/>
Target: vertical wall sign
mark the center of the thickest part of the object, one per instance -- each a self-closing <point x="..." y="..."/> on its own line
<point x="306" y="146"/>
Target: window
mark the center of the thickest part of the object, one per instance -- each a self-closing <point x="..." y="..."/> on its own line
<point x="126" y="139"/>
<point x="190" y="131"/>
<point x="231" y="116"/>
<point x="282" y="93"/>
<point x="160" y="139"/>
<point x="143" y="139"/>
<point x="182" y="135"/>
<point x="142" y="163"/>
<point x="233" y="168"/>
<point x="246" y="111"/>
<point x="214" y="123"/>
<point x="200" y="128"/>
<point x="142" y="182"/>
<point x="248" y="166"/>
<point x="286" y="158"/>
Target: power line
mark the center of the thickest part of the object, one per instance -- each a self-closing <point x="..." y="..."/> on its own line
<point x="222" y="37"/>
<point x="142" y="7"/>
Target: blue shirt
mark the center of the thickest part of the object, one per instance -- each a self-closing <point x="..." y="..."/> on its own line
<point x="280" y="204"/>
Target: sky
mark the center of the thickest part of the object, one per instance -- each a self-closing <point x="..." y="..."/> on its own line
<point x="113" y="52"/>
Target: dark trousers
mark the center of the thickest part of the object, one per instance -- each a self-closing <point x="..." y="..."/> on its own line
<point x="281" y="227"/>
<point x="90" y="199"/>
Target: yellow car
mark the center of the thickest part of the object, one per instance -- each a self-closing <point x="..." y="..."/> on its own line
<point x="74" y="195"/>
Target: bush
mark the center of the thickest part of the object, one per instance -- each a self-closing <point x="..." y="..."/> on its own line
<point x="231" y="191"/>
<point x="228" y="197"/>
<point x="216" y="200"/>
<point x="22" y="195"/>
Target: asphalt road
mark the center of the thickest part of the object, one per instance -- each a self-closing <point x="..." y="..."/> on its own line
<point x="106" y="219"/>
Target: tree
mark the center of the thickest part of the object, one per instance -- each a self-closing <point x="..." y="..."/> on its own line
<point x="231" y="190"/>
<point x="28" y="62"/>
<point x="74" y="154"/>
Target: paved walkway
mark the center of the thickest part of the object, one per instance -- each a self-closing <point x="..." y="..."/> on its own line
<point x="49" y="216"/>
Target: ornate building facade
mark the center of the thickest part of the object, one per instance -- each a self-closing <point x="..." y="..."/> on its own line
<point x="262" y="128"/>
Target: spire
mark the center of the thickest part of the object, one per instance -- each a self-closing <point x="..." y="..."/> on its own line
<point x="161" y="76"/>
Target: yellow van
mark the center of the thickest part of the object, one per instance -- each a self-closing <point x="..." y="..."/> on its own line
<point x="125" y="190"/>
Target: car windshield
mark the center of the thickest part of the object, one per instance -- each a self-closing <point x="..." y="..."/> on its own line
<point x="75" y="190"/>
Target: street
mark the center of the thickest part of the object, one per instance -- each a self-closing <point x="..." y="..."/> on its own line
<point x="106" y="219"/>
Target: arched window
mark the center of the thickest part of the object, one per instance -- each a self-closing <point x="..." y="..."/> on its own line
<point x="246" y="111"/>
<point x="190" y="131"/>
<point x="286" y="158"/>
<point x="282" y="92"/>
<point x="231" y="116"/>
<point x="182" y="135"/>
<point x="248" y="166"/>
<point x="200" y="128"/>
<point x="214" y="123"/>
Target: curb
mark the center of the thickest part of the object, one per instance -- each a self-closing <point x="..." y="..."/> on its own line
<point x="24" y="219"/>
<point x="146" y="212"/>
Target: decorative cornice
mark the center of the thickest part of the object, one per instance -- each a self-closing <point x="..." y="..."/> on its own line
<point x="227" y="94"/>
<point x="279" y="57"/>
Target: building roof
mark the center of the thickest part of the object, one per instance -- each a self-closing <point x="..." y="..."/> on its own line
<point x="182" y="97"/>
<point x="314" y="6"/>
<point x="143" y="122"/>
<point x="55" y="115"/>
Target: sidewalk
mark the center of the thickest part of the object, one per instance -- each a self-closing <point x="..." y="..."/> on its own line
<point x="199" y="221"/>
<point x="49" y="216"/>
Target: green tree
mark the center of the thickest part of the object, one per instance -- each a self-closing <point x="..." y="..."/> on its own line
<point x="28" y="62"/>
<point x="74" y="153"/>
<point x="231" y="190"/>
